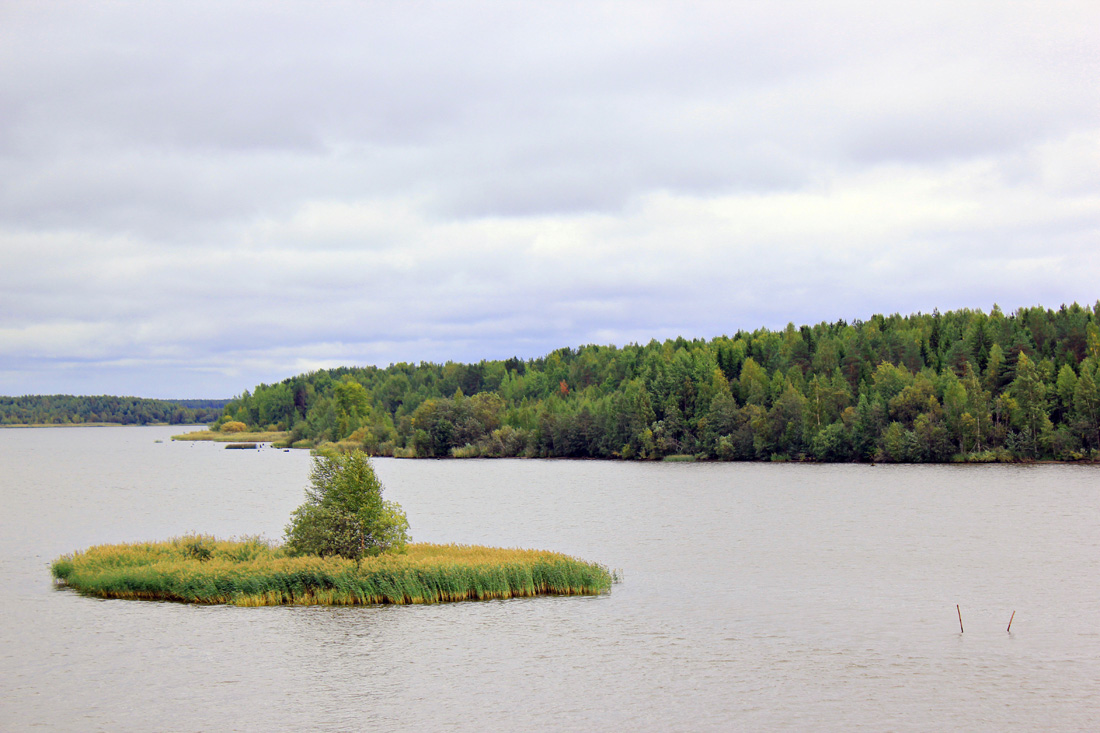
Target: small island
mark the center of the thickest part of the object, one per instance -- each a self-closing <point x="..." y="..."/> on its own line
<point x="344" y="546"/>
<point x="250" y="572"/>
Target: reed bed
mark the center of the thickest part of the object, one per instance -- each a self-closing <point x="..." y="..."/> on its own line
<point x="264" y="436"/>
<point x="251" y="572"/>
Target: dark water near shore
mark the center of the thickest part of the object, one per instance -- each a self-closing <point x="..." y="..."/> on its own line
<point x="756" y="596"/>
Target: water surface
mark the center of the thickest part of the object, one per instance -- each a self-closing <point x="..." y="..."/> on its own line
<point x="756" y="596"/>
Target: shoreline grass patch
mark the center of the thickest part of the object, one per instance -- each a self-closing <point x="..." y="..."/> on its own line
<point x="265" y="436"/>
<point x="252" y="572"/>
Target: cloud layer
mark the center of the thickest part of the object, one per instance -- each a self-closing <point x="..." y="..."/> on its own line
<point x="195" y="198"/>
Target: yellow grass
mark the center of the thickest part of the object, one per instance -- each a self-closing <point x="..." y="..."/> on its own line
<point x="201" y="569"/>
<point x="218" y="437"/>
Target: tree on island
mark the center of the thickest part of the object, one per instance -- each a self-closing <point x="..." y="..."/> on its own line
<point x="344" y="513"/>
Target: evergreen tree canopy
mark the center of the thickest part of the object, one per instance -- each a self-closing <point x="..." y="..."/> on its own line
<point x="961" y="385"/>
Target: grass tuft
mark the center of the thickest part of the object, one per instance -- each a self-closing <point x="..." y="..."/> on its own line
<point x="252" y="572"/>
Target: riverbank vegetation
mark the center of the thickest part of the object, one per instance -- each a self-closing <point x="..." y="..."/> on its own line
<point x="76" y="410"/>
<point x="251" y="572"/>
<point x="216" y="436"/>
<point x="958" y="386"/>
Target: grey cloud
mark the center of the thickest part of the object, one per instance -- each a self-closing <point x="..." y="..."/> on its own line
<point x="195" y="198"/>
<point x="508" y="112"/>
<point x="611" y="96"/>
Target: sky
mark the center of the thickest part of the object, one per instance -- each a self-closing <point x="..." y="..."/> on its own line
<point x="199" y="197"/>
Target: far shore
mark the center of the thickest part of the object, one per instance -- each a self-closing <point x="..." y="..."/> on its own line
<point x="98" y="425"/>
<point x="280" y="438"/>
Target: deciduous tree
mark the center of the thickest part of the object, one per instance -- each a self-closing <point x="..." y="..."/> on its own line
<point x="344" y="512"/>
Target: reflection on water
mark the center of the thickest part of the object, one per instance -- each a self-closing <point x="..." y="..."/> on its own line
<point x="755" y="596"/>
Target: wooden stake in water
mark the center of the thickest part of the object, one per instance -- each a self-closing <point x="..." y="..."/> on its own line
<point x="1010" y="622"/>
<point x="960" y="618"/>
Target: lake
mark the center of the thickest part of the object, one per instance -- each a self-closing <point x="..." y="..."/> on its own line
<point x="755" y="597"/>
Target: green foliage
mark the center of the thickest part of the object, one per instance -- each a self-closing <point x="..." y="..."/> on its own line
<point x="1031" y="413"/>
<point x="831" y="444"/>
<point x="198" y="548"/>
<point x="344" y="513"/>
<point x="70" y="410"/>
<point x="1022" y="386"/>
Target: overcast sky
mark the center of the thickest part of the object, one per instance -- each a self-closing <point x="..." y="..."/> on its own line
<point x="198" y="197"/>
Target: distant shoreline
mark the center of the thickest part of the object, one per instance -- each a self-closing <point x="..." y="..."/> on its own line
<point x="100" y="425"/>
<point x="278" y="438"/>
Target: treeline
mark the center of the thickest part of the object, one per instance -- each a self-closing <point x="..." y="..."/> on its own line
<point x="75" y="410"/>
<point x="962" y="385"/>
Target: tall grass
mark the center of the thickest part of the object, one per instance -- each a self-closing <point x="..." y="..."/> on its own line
<point x="250" y="572"/>
<point x="263" y="436"/>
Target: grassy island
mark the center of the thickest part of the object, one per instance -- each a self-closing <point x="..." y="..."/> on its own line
<point x="345" y="545"/>
<point x="251" y="572"/>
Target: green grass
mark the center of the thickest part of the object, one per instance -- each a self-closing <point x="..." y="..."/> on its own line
<point x="251" y="572"/>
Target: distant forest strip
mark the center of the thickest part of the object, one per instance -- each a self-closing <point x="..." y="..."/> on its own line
<point x="956" y="386"/>
<point x="73" y="410"/>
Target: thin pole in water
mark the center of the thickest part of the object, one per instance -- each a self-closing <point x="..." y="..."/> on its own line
<point x="1010" y="622"/>
<point x="960" y="618"/>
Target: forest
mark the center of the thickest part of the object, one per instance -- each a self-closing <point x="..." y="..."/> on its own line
<point x="73" y="410"/>
<point x="958" y="386"/>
